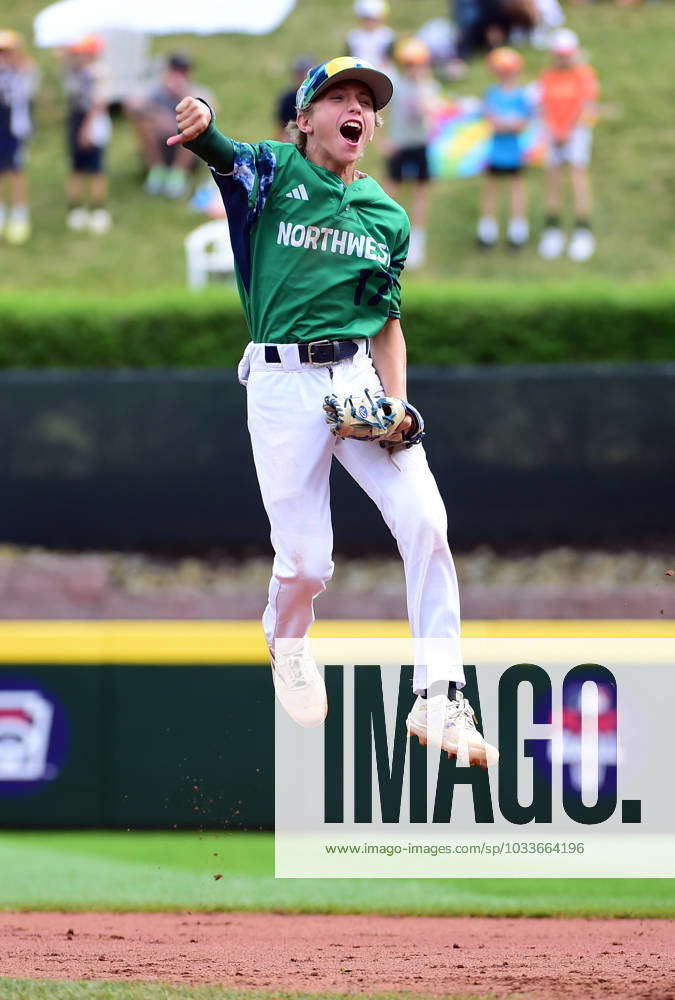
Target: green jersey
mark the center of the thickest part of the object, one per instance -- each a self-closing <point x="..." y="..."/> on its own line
<point x="315" y="258"/>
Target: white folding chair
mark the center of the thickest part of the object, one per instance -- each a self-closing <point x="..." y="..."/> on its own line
<point x="208" y="251"/>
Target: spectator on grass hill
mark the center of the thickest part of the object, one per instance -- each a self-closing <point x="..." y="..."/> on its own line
<point x="415" y="92"/>
<point x="568" y="93"/>
<point x="89" y="129"/>
<point x="153" y="115"/>
<point x="488" y="23"/>
<point x="441" y="37"/>
<point x="550" y="17"/>
<point x="285" y="106"/>
<point x="18" y="84"/>
<point x="508" y="109"/>
<point x="373" y="40"/>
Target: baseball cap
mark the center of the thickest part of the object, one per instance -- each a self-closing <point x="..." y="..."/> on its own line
<point x="10" y="39"/>
<point x="504" y="58"/>
<point x="343" y="68"/>
<point x="90" y="45"/>
<point x="179" y="61"/>
<point x="564" y="40"/>
<point x="412" y="51"/>
<point x="371" y="8"/>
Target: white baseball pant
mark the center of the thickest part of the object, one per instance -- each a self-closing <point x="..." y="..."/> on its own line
<point x="293" y="450"/>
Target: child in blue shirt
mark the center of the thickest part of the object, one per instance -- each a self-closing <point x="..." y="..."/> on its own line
<point x="508" y="108"/>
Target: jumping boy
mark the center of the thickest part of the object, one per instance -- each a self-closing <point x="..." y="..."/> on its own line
<point x="319" y="248"/>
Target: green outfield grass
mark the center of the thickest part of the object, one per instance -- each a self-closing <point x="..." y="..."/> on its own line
<point x="632" y="167"/>
<point x="30" y="989"/>
<point x="173" y="871"/>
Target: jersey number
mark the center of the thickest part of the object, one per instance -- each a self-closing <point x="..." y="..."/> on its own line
<point x="384" y="288"/>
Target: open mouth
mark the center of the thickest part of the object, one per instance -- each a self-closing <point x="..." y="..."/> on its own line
<point x="351" y="131"/>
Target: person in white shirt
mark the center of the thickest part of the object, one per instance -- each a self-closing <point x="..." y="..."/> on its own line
<point x="18" y="84"/>
<point x="408" y="126"/>
<point x="373" y="39"/>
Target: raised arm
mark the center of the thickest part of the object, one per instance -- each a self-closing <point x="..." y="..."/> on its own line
<point x="196" y="123"/>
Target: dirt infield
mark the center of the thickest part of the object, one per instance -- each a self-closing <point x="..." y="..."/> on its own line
<point x="534" y="958"/>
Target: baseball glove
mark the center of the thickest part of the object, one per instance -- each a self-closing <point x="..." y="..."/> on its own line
<point x="368" y="418"/>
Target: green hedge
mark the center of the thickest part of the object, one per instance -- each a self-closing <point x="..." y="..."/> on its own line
<point x="444" y="324"/>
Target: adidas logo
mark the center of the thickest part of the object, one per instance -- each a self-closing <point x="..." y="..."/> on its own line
<point x="299" y="193"/>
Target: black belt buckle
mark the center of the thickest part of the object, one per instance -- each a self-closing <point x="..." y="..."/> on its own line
<point x="317" y="351"/>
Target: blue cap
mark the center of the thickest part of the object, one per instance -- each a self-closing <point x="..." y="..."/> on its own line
<point x="344" y="68"/>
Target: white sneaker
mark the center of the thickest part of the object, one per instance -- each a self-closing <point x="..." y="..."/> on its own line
<point x="176" y="183"/>
<point x="582" y="245"/>
<point x="487" y="232"/>
<point x="100" y="221"/>
<point x="552" y="243"/>
<point x="518" y="233"/>
<point x="300" y="687"/>
<point x="77" y="219"/>
<point x="154" y="182"/>
<point x="17" y="231"/>
<point x="452" y="728"/>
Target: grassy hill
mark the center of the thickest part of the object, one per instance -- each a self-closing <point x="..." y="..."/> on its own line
<point x="635" y="146"/>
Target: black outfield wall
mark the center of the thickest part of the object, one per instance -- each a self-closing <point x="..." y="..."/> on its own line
<point x="160" y="747"/>
<point x="155" y="459"/>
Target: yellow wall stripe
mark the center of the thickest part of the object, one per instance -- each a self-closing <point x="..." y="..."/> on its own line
<point x="203" y="642"/>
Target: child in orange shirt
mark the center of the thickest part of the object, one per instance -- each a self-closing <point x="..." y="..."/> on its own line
<point x="568" y="92"/>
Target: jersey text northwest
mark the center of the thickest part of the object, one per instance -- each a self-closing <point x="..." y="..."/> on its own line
<point x="332" y="241"/>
